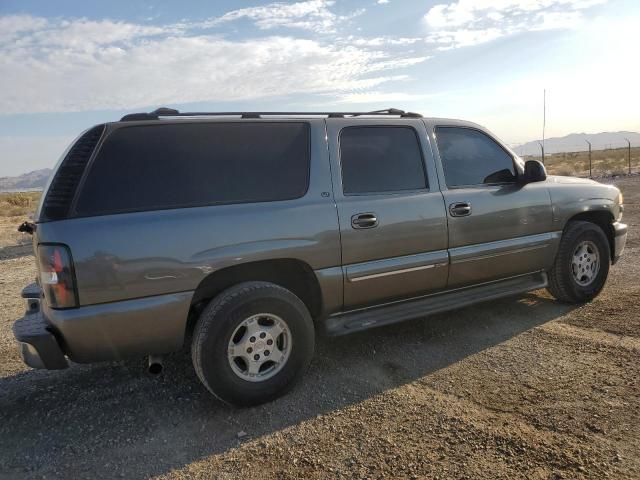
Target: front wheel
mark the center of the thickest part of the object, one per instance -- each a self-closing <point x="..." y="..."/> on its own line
<point x="252" y="342"/>
<point x="582" y="263"/>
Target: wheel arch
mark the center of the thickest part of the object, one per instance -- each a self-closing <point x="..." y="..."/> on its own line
<point x="603" y="219"/>
<point x="293" y="274"/>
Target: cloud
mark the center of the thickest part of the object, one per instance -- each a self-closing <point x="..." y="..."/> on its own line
<point x="382" y="41"/>
<point x="470" y="22"/>
<point x="84" y="34"/>
<point x="12" y="26"/>
<point x="312" y="15"/>
<point x="376" y="96"/>
<point x="79" y="65"/>
<point x="382" y="2"/>
<point x="447" y="39"/>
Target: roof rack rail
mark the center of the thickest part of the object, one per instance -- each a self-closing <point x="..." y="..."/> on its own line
<point x="170" y="112"/>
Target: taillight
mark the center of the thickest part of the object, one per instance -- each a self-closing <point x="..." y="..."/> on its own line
<point x="57" y="277"/>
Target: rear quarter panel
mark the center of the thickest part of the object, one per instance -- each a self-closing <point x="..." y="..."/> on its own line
<point x="133" y="255"/>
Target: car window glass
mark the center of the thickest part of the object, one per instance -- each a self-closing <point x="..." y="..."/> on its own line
<point x="381" y="159"/>
<point x="470" y="157"/>
<point x="179" y="165"/>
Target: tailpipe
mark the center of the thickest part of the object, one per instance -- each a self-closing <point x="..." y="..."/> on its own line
<point x="155" y="365"/>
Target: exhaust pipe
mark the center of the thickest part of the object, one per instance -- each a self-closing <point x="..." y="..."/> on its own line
<point x="155" y="364"/>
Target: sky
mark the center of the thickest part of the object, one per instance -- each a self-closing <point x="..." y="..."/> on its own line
<point x="70" y="64"/>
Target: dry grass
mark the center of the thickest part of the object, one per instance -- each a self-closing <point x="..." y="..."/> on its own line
<point x="603" y="162"/>
<point x="18" y="204"/>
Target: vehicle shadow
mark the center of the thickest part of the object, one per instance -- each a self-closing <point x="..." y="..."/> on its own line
<point x="113" y="419"/>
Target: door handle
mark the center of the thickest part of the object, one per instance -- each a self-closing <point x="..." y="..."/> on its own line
<point x="460" y="209"/>
<point x="364" y="220"/>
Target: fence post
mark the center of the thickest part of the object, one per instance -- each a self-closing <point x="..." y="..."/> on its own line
<point x="629" y="146"/>
<point x="590" y="176"/>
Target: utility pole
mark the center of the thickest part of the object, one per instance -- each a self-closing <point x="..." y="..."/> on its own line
<point x="629" y="146"/>
<point x="589" y="157"/>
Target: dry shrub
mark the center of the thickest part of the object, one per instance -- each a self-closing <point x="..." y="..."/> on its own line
<point x="18" y="199"/>
<point x="18" y="204"/>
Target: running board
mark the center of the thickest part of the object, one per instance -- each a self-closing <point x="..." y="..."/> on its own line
<point x="399" y="311"/>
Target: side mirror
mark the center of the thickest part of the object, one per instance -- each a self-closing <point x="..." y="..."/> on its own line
<point x="534" y="171"/>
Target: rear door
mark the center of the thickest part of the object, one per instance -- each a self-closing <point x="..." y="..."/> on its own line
<point x="497" y="227"/>
<point x="391" y="212"/>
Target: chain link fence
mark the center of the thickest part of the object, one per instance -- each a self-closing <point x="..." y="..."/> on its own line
<point x="615" y="158"/>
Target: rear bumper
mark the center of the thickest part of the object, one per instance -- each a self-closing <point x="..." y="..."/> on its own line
<point x="104" y="332"/>
<point x="39" y="346"/>
<point x="620" y="240"/>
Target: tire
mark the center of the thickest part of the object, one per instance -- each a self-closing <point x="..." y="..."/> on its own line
<point x="223" y="335"/>
<point x="573" y="282"/>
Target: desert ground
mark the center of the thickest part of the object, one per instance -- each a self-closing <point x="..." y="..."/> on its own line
<point x="524" y="387"/>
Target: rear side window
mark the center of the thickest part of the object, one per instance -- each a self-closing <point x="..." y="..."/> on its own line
<point x="381" y="159"/>
<point x="181" y="165"/>
<point x="470" y="157"/>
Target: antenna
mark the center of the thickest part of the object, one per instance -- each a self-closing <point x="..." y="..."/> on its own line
<point x="544" y="118"/>
<point x="542" y="150"/>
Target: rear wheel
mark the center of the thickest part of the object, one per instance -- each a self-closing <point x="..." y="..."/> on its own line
<point x="252" y="342"/>
<point x="582" y="263"/>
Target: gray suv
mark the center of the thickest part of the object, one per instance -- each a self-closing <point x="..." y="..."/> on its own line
<point x="248" y="233"/>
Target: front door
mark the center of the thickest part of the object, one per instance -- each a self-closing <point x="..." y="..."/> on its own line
<point x="497" y="227"/>
<point x="391" y="212"/>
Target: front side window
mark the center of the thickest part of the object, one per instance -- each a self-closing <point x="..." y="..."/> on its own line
<point x="175" y="165"/>
<point x="381" y="159"/>
<point x="470" y="157"/>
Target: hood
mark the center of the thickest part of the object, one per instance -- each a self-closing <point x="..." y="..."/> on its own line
<point x="574" y="180"/>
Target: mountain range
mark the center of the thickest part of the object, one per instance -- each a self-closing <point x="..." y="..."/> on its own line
<point x="577" y="142"/>
<point x="35" y="180"/>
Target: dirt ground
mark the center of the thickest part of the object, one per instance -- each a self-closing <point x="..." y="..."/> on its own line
<point x="519" y="388"/>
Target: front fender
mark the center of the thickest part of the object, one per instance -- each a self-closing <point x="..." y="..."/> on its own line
<point x="569" y="200"/>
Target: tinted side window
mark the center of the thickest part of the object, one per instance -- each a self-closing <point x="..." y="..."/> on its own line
<point x="469" y="157"/>
<point x="179" y="165"/>
<point x="381" y="159"/>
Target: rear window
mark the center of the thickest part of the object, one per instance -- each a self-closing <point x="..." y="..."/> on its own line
<point x="193" y="164"/>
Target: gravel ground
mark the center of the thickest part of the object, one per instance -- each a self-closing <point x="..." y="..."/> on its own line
<point x="521" y="388"/>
